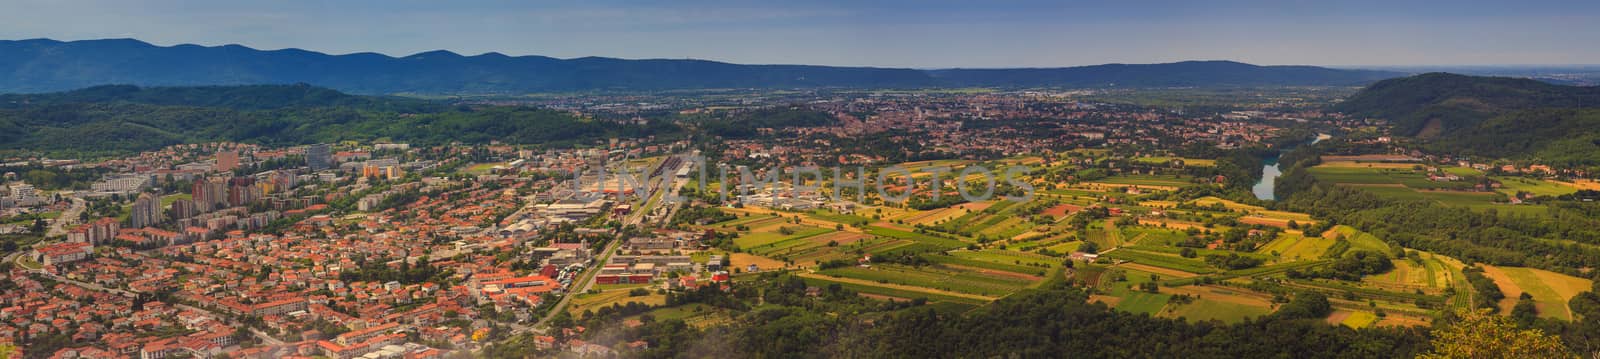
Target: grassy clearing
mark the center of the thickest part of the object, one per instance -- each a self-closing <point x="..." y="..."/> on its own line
<point x="1206" y="309"/>
<point x="1538" y="187"/>
<point x="1141" y="302"/>
<point x="592" y="301"/>
<point x="773" y="233"/>
<point x="1359" y="319"/>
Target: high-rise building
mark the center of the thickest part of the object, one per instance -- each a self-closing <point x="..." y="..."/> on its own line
<point x="319" y="157"/>
<point x="146" y="211"/>
<point x="184" y="208"/>
<point x="227" y="160"/>
<point x="241" y="191"/>
<point x="209" y="194"/>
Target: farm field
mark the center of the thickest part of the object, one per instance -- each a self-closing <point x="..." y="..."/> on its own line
<point x="1537" y="187"/>
<point x="606" y="298"/>
<point x="896" y="290"/>
<point x="1401" y="182"/>
<point x="1406" y="177"/>
<point x="1357" y="238"/>
<point x="1289" y="247"/>
<point x="1193" y="162"/>
<point x="769" y="236"/>
<point x="1206" y="309"/>
<point x="1225" y="304"/>
<point x="946" y="279"/>
<point x="972" y="253"/>
<point x="1355" y="319"/>
<point x="1551" y="291"/>
<point x="1257" y="214"/>
<point x="1161" y="260"/>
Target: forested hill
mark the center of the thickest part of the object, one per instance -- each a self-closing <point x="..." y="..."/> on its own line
<point x="1434" y="104"/>
<point x="1489" y="116"/>
<point x="253" y="97"/>
<point x="125" y="118"/>
<point x="43" y="65"/>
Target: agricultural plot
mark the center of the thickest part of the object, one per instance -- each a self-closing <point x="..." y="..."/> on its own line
<point x="695" y="315"/>
<point x="941" y="215"/>
<point x="1142" y="235"/>
<point x="1357" y="238"/>
<point x="1406" y="184"/>
<point x="893" y="290"/>
<point x="1512" y="185"/>
<point x="929" y="240"/>
<point x="1161" y="260"/>
<point x="1410" y="276"/>
<point x="749" y="221"/>
<point x="1383" y="176"/>
<point x="1008" y="257"/>
<point x="983" y="264"/>
<point x="1226" y="304"/>
<point x="1141" y="302"/>
<point x="944" y="279"/>
<point x="1130" y="300"/>
<point x="1255" y="210"/>
<point x="770" y="234"/>
<point x="590" y="301"/>
<point x="1290" y="247"/>
<point x="848" y="243"/>
<point x="1188" y="162"/>
<point x="1208" y="309"/>
<point x="1550" y="290"/>
<point x="842" y="218"/>
<point x="739" y="261"/>
<point x="1065" y="247"/>
<point x="1147" y="180"/>
<point x="805" y="244"/>
<point x="1355" y="319"/>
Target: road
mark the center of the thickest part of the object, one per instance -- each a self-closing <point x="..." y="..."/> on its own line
<point x="586" y="280"/>
<point x="58" y="227"/>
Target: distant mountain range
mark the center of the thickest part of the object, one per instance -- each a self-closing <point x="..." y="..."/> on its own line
<point x="1489" y="116"/>
<point x="42" y="65"/>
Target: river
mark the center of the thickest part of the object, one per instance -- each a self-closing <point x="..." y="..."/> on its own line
<point x="1270" y="172"/>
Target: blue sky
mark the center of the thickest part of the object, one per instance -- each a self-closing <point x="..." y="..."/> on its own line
<point x="924" y="34"/>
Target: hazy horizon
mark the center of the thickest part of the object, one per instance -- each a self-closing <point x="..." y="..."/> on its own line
<point x="924" y="35"/>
